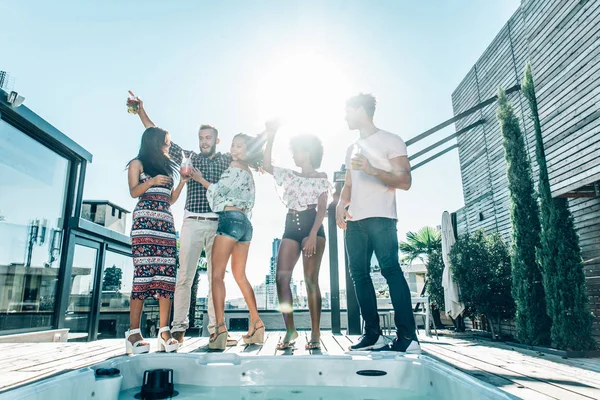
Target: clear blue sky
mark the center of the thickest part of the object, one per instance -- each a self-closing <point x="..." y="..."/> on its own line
<point x="203" y="62"/>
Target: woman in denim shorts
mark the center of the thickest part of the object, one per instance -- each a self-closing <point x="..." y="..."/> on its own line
<point x="305" y="196"/>
<point x="232" y="198"/>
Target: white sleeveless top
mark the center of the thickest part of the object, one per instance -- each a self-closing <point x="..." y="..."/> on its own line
<point x="298" y="192"/>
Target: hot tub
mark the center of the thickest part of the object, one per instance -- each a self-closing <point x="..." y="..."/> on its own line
<point x="231" y="376"/>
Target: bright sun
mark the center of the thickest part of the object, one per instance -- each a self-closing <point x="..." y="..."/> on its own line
<point x="306" y="90"/>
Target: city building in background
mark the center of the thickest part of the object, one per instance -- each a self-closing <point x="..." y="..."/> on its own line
<point x="271" y="278"/>
<point x="107" y="214"/>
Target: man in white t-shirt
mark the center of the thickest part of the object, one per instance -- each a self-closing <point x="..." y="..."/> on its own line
<point x="378" y="166"/>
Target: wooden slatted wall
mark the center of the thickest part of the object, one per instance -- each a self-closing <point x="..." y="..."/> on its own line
<point x="561" y="39"/>
<point x="481" y="152"/>
<point x="564" y="49"/>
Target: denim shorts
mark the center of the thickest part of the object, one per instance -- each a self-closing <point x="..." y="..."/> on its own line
<point x="236" y="225"/>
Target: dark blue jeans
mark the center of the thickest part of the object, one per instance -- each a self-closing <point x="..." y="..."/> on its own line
<point x="378" y="235"/>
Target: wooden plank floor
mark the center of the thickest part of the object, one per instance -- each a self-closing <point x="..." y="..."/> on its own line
<point x="526" y="374"/>
<point x="523" y="373"/>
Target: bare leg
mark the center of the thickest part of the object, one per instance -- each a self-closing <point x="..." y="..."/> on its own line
<point x="135" y="314"/>
<point x="312" y="266"/>
<point x="221" y="251"/>
<point x="289" y="252"/>
<point x="164" y="310"/>
<point x="238" y="267"/>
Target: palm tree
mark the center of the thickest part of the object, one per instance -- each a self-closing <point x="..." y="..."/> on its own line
<point x="420" y="244"/>
<point x="426" y="245"/>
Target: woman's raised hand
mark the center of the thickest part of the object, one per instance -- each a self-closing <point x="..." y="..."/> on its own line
<point x="272" y="126"/>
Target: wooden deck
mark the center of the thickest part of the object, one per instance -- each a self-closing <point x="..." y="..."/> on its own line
<point x="526" y="374"/>
<point x="523" y="373"/>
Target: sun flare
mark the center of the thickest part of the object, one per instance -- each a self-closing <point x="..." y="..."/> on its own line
<point x="306" y="90"/>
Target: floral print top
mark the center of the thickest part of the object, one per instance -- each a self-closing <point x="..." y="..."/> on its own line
<point x="299" y="192"/>
<point x="234" y="189"/>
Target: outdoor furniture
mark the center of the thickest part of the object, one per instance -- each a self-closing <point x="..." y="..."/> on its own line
<point x="424" y="313"/>
<point x="386" y="322"/>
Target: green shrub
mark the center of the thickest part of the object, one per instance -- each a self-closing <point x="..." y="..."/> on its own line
<point x="559" y="254"/>
<point x="532" y="322"/>
<point x="481" y="267"/>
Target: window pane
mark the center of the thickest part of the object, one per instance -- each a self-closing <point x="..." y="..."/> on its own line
<point x="32" y="191"/>
<point x="117" y="280"/>
<point x="82" y="288"/>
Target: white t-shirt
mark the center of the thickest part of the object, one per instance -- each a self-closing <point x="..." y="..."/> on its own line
<point x="370" y="197"/>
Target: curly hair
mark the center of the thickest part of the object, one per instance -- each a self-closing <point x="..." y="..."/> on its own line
<point x="255" y="147"/>
<point x="310" y="144"/>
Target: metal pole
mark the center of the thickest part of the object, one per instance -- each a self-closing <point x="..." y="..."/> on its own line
<point x="334" y="275"/>
<point x="353" y="311"/>
<point x="457" y="117"/>
<point x="354" y="327"/>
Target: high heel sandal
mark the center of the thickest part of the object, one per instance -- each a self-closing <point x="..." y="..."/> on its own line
<point x="258" y="336"/>
<point x="170" y="345"/>
<point x="313" y="345"/>
<point x="137" y="347"/>
<point x="220" y="340"/>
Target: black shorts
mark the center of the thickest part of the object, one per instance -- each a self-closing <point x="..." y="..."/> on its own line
<point x="299" y="225"/>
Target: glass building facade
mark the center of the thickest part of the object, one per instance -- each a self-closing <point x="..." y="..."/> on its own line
<point x="53" y="264"/>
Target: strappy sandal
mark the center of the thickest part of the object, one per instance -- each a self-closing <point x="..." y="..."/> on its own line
<point x="220" y="340"/>
<point x="230" y="340"/>
<point x="287" y="344"/>
<point x="170" y="345"/>
<point x="258" y="335"/>
<point x="139" y="346"/>
<point x="316" y="345"/>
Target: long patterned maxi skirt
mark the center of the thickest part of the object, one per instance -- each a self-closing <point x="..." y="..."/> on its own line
<point x="154" y="246"/>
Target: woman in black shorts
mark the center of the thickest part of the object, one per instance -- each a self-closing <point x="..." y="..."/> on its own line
<point x="305" y="195"/>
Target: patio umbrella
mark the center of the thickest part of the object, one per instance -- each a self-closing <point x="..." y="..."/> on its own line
<point x="451" y="291"/>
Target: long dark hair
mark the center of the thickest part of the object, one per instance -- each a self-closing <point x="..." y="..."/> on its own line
<point x="151" y="155"/>
<point x="255" y="147"/>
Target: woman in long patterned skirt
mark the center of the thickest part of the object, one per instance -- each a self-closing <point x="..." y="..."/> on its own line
<point x="153" y="240"/>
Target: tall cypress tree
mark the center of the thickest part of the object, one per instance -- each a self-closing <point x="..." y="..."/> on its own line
<point x="559" y="254"/>
<point x="533" y="324"/>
